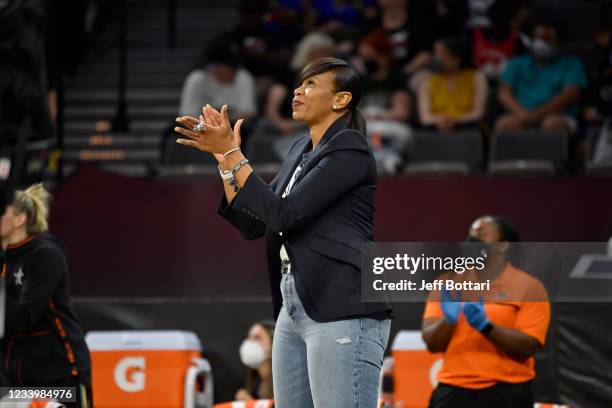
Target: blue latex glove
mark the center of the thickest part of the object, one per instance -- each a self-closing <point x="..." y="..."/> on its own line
<point x="475" y="314"/>
<point x="451" y="306"/>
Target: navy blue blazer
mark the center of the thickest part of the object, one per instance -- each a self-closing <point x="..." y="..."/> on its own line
<point x="325" y="219"/>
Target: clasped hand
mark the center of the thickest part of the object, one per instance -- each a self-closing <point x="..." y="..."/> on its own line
<point x="216" y="138"/>
<point x="474" y="311"/>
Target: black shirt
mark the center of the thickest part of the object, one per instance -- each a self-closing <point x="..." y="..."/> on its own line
<point x="44" y="343"/>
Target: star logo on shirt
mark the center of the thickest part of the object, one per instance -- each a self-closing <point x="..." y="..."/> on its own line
<point x="19" y="277"/>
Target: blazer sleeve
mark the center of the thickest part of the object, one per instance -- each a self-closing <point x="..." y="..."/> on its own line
<point x="251" y="226"/>
<point x="336" y="174"/>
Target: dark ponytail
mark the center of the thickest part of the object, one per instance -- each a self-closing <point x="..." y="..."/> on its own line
<point x="357" y="121"/>
<point x="346" y="80"/>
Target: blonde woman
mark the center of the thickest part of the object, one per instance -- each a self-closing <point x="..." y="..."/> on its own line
<point x="43" y="344"/>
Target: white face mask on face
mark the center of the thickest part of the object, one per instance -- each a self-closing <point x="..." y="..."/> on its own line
<point x="252" y="354"/>
<point x="542" y="50"/>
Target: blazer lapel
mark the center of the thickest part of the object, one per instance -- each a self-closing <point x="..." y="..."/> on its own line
<point x="293" y="159"/>
<point x="314" y="158"/>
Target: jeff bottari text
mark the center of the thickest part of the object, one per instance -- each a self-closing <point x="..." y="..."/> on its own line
<point x="438" y="284"/>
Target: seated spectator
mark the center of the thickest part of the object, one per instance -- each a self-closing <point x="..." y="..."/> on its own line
<point x="454" y="95"/>
<point x="488" y="346"/>
<point x="220" y="81"/>
<point x="385" y="102"/>
<point x="256" y="354"/>
<point x="542" y="89"/>
<point x="384" y="90"/>
<point x="278" y="109"/>
<point x="409" y="32"/>
<point x="494" y="45"/>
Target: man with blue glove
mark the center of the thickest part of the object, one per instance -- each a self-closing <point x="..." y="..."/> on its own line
<point x="488" y="346"/>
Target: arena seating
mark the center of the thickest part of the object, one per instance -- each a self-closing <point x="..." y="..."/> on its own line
<point x="438" y="153"/>
<point x="528" y="153"/>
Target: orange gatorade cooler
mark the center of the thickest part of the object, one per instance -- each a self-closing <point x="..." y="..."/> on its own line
<point x="149" y="369"/>
<point x="414" y="370"/>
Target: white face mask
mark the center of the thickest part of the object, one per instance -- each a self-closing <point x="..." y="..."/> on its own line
<point x="252" y="354"/>
<point x="542" y="50"/>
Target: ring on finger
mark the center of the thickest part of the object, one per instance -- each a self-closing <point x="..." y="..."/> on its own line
<point x="200" y="127"/>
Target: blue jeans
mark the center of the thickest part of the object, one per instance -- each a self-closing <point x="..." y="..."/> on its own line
<point x="325" y="365"/>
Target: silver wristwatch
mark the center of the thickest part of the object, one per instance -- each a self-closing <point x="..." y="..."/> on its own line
<point x="225" y="174"/>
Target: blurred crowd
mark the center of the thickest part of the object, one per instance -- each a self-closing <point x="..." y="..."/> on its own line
<point x="41" y="42"/>
<point x="33" y="57"/>
<point x="443" y="65"/>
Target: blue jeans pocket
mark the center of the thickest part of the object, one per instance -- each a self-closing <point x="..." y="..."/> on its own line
<point x="384" y="327"/>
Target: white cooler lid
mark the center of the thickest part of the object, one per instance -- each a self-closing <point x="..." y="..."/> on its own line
<point x="408" y="340"/>
<point x="143" y="340"/>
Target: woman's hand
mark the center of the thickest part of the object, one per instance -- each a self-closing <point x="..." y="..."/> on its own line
<point x="212" y="116"/>
<point x="216" y="138"/>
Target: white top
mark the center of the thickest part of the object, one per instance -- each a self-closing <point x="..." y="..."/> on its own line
<point x="201" y="87"/>
<point x="283" y="252"/>
<point x="142" y="340"/>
